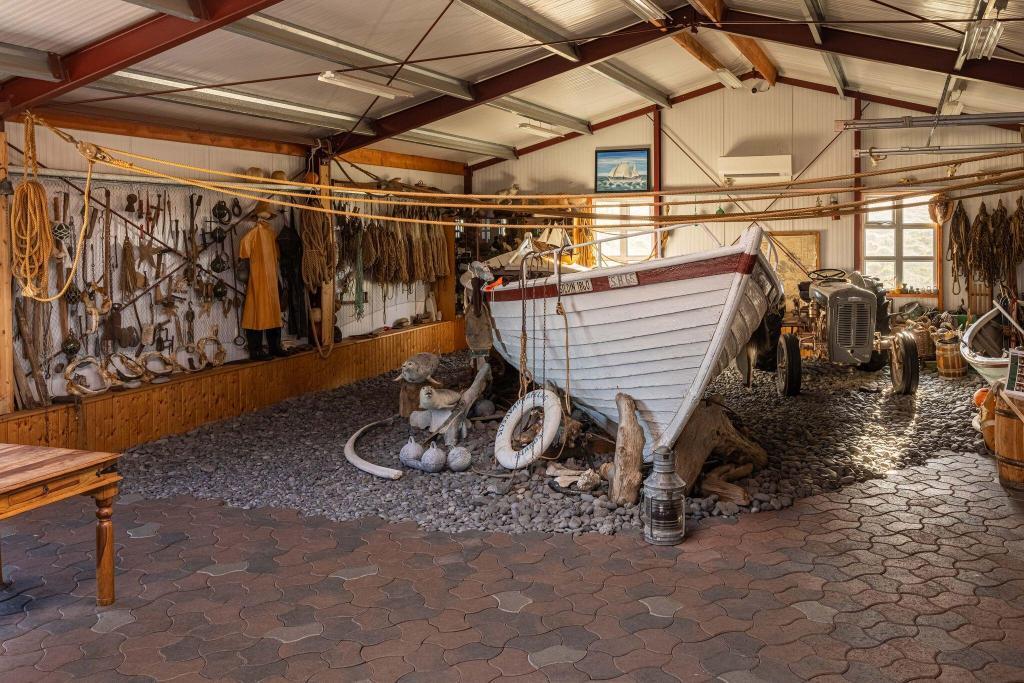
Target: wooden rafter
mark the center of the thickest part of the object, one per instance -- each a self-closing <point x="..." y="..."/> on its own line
<point x="748" y="47"/>
<point x="689" y="42"/>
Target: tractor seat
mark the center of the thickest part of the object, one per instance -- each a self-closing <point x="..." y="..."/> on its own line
<point x="805" y="290"/>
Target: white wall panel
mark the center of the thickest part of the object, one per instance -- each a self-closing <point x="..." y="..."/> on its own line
<point x="784" y="120"/>
<point x="566" y="167"/>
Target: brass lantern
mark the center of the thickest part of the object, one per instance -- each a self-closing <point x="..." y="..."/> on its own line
<point x="664" y="505"/>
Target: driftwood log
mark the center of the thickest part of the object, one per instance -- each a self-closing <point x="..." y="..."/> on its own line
<point x="629" y="454"/>
<point x="710" y="431"/>
<point x="409" y="397"/>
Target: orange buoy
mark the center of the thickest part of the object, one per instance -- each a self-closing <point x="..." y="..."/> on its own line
<point x="979" y="396"/>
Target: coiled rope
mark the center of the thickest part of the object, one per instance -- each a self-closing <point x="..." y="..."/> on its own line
<point x="31" y="232"/>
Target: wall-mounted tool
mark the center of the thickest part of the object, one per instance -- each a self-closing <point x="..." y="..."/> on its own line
<point x="221" y="212"/>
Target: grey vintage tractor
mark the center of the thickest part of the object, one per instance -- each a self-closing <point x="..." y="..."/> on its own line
<point x="839" y="318"/>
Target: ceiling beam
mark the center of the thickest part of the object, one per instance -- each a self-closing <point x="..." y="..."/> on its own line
<point x="436" y="138"/>
<point x="514" y="18"/>
<point x="596" y="50"/>
<point x="814" y="12"/>
<point x="506" y="13"/>
<point x="113" y="125"/>
<point x="289" y="36"/>
<point x="30" y="63"/>
<point x="191" y="10"/>
<point x="227" y="100"/>
<point x="123" y="49"/>
<point x="543" y="114"/>
<point x="870" y="47"/>
<point x="296" y="38"/>
<point x="758" y="58"/>
<point x="237" y="102"/>
<point x="632" y="82"/>
<point x="689" y="42"/>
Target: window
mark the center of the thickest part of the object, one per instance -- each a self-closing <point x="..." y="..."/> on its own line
<point x="632" y="247"/>
<point x="899" y="245"/>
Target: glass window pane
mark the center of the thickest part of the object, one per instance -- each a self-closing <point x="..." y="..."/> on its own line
<point x="640" y="246"/>
<point x="879" y="242"/>
<point x="885" y="271"/>
<point x="916" y="214"/>
<point x="610" y="248"/>
<point x="918" y="242"/>
<point x="880" y="212"/>
<point x="919" y="274"/>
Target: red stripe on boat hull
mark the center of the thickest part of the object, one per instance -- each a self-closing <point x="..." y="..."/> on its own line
<point x="736" y="263"/>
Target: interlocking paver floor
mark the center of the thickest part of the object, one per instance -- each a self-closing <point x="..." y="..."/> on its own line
<point x="917" y="576"/>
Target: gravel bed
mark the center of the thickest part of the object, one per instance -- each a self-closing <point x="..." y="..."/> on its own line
<point x="846" y="426"/>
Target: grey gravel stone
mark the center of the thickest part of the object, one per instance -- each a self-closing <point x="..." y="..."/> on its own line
<point x="290" y="455"/>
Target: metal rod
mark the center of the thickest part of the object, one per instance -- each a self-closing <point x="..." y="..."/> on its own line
<point x="948" y="149"/>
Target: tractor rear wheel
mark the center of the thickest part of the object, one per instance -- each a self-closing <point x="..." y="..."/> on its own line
<point x="904" y="365"/>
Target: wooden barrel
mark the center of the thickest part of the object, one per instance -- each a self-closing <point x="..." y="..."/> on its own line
<point x="949" y="361"/>
<point x="1009" y="446"/>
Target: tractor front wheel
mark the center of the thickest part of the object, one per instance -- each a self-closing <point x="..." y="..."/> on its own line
<point x="787" y="365"/>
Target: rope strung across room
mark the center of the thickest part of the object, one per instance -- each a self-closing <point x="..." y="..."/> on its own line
<point x="95" y="154"/>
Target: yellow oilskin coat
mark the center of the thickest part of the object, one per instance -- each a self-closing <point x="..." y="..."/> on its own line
<point x="262" y="304"/>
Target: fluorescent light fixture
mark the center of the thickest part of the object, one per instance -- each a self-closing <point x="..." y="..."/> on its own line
<point x="647" y="10"/>
<point x="539" y="131"/>
<point x="233" y="101"/>
<point x="1011" y="118"/>
<point x="982" y="38"/>
<point x="353" y="83"/>
<point x="728" y="79"/>
<point x="436" y="138"/>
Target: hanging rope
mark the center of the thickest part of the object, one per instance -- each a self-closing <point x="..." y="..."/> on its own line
<point x="959" y="251"/>
<point x="319" y="254"/>
<point x="1015" y="246"/>
<point x="31" y="232"/>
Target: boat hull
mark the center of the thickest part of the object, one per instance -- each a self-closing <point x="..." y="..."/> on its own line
<point x="991" y="369"/>
<point x="659" y="331"/>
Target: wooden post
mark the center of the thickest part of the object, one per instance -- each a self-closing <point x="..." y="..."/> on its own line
<point x="105" y="547"/>
<point x="327" y="288"/>
<point x="6" y="292"/>
<point x="445" y="287"/>
<point x="858" y="218"/>
<point x="656" y="159"/>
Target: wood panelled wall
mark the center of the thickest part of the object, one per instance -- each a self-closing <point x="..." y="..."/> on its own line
<point x="118" y="420"/>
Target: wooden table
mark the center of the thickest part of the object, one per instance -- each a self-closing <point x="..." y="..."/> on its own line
<point x="34" y="476"/>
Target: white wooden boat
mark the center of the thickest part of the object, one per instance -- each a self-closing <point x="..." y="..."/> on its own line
<point x="659" y="331"/>
<point x="979" y="344"/>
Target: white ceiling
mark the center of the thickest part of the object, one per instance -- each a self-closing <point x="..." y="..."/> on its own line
<point x="394" y="27"/>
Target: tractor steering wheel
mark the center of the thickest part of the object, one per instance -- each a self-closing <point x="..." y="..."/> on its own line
<point x="827" y="275"/>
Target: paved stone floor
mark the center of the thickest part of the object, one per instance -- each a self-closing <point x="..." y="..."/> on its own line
<point x="918" y="576"/>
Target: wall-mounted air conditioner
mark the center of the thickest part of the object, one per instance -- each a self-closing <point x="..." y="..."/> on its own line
<point x="759" y="169"/>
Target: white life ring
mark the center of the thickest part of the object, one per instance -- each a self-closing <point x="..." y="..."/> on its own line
<point x="508" y="457"/>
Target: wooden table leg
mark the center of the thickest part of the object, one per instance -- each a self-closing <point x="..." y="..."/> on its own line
<point x="104" y="551"/>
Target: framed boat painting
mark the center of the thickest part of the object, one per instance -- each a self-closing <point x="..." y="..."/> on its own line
<point x="622" y="170"/>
